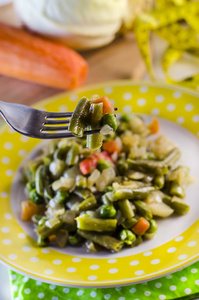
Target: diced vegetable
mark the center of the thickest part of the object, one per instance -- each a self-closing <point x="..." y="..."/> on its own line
<point x="141" y="226"/>
<point x="111" y="147"/>
<point x="29" y="209"/>
<point x="154" y="126"/>
<point x="107" y="105"/>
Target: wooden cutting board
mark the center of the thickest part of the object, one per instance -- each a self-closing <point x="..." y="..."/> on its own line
<point x="119" y="60"/>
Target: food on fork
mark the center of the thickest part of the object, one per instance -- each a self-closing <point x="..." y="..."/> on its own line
<point x="109" y="198"/>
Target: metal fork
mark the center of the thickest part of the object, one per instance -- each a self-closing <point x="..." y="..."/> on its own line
<point x="37" y="123"/>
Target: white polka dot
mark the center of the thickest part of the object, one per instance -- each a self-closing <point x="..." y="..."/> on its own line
<point x="93" y="294"/>
<point x="127" y="108"/>
<point x="52" y="286"/>
<point x="79" y="293"/>
<point x="14" y="288"/>
<point x="172" y="287"/>
<point x="139" y="272"/>
<point x="195" y="118"/>
<point x="192" y="243"/>
<point x="113" y="270"/>
<point x="180" y="120"/>
<point x="41" y="295"/>
<point x="147" y="293"/>
<point x="183" y="278"/>
<point x="7" y="242"/>
<point x="13" y="256"/>
<point x="48" y="271"/>
<point x="118" y="288"/>
<point x="9" y="172"/>
<point x="22" y="152"/>
<point x="121" y="298"/>
<point x="24" y="138"/>
<point x="155" y="261"/>
<point x="194" y="271"/>
<point x="26" y="248"/>
<point x="162" y="297"/>
<point x="45" y="251"/>
<point x="158" y="285"/>
<point x="143" y="89"/>
<point x="188" y="107"/>
<point x="54" y="298"/>
<point x="148" y="253"/>
<point x="5" y="195"/>
<point x="92" y="277"/>
<point x="108" y="90"/>
<point x="177" y="95"/>
<point x="141" y="102"/>
<point x="38" y="283"/>
<point x="134" y="262"/>
<point x="169" y="276"/>
<point x="8" y="216"/>
<point x="34" y="259"/>
<point x="155" y="111"/>
<point x="73" y="97"/>
<point x="22" y="235"/>
<point x="8" y="145"/>
<point x="13" y="277"/>
<point x="66" y="290"/>
<point x="132" y="290"/>
<point x="171" y="107"/>
<point x="127" y="96"/>
<point x="25" y="279"/>
<point x="16" y="298"/>
<point x="27" y="291"/>
<point x="63" y="108"/>
<point x="182" y="256"/>
<point x="197" y="282"/>
<point x="179" y="238"/>
<point x="94" y="267"/>
<point x="57" y="262"/>
<point x="159" y="98"/>
<point x="187" y="291"/>
<point x="107" y="296"/>
<point x="71" y="270"/>
<point x="5" y="160"/>
<point x="5" y="229"/>
<point x="76" y="259"/>
<point x="112" y="261"/>
<point x="171" y="250"/>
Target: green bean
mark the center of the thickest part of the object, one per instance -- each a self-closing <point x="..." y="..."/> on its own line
<point x="83" y="193"/>
<point x="131" y="194"/>
<point x="81" y="181"/>
<point x="129" y="223"/>
<point x="107" y="211"/>
<point x="94" y="141"/>
<point x="45" y="231"/>
<point x="95" y="224"/>
<point x="79" y="118"/>
<point x="89" y="203"/>
<point x="178" y="205"/>
<point x="41" y="242"/>
<point x="105" y="199"/>
<point x="106" y="241"/>
<point x="57" y="167"/>
<point x="176" y="190"/>
<point x="73" y="154"/>
<point x="127" y="236"/>
<point x="39" y="183"/>
<point x="110" y="120"/>
<point x="137" y="242"/>
<point x="37" y="218"/>
<point x="153" y="226"/>
<point x="159" y="181"/>
<point x="126" y="208"/>
<point x="143" y="209"/>
<point x="90" y="246"/>
<point x="103" y="164"/>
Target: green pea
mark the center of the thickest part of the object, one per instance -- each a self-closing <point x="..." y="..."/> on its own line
<point x="107" y="211"/>
<point x="110" y="120"/>
<point x="35" y="197"/>
<point x="125" y="118"/>
<point x="74" y="240"/>
<point x="30" y="186"/>
<point x="127" y="236"/>
<point x="103" y="164"/>
<point x="62" y="196"/>
<point x="153" y="226"/>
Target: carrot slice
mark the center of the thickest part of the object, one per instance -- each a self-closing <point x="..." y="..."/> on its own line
<point x="88" y="164"/>
<point x="107" y="105"/>
<point x="154" y="126"/>
<point x="141" y="226"/>
<point x="111" y="147"/>
<point x="29" y="209"/>
<point x="28" y="57"/>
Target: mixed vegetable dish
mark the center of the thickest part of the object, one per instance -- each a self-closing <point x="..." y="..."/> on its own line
<point x="106" y="190"/>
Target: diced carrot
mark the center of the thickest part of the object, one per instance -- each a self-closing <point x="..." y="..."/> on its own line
<point x="107" y="105"/>
<point x="51" y="238"/>
<point x="111" y="147"/>
<point x="29" y="57"/>
<point x="29" y="209"/>
<point x="154" y="126"/>
<point x="88" y="164"/>
<point x="141" y="226"/>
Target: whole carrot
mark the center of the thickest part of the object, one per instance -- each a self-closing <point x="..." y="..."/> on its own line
<point x="28" y="57"/>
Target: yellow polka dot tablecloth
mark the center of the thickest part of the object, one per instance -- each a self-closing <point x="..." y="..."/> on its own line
<point x="165" y="267"/>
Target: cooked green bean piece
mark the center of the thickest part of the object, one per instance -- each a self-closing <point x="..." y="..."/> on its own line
<point x="95" y="224"/>
<point x="129" y="223"/>
<point x="106" y="241"/>
<point x="107" y="211"/>
<point x="42" y="242"/>
<point x="37" y="218"/>
<point x="103" y="164"/>
<point x="159" y="181"/>
<point x="39" y="183"/>
<point x="147" y="166"/>
<point x="57" y="168"/>
<point x="73" y="154"/>
<point x="83" y="193"/>
<point x="109" y="119"/>
<point x="79" y="118"/>
<point x="137" y="242"/>
<point x="94" y="141"/>
<point x="127" y="236"/>
<point x="81" y="181"/>
<point x="44" y="231"/>
<point x="153" y="226"/>
<point x="143" y="209"/>
<point x="88" y="203"/>
<point x="176" y="190"/>
<point x="131" y="194"/>
<point x="178" y="205"/>
<point x="126" y="208"/>
<point x="105" y="199"/>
